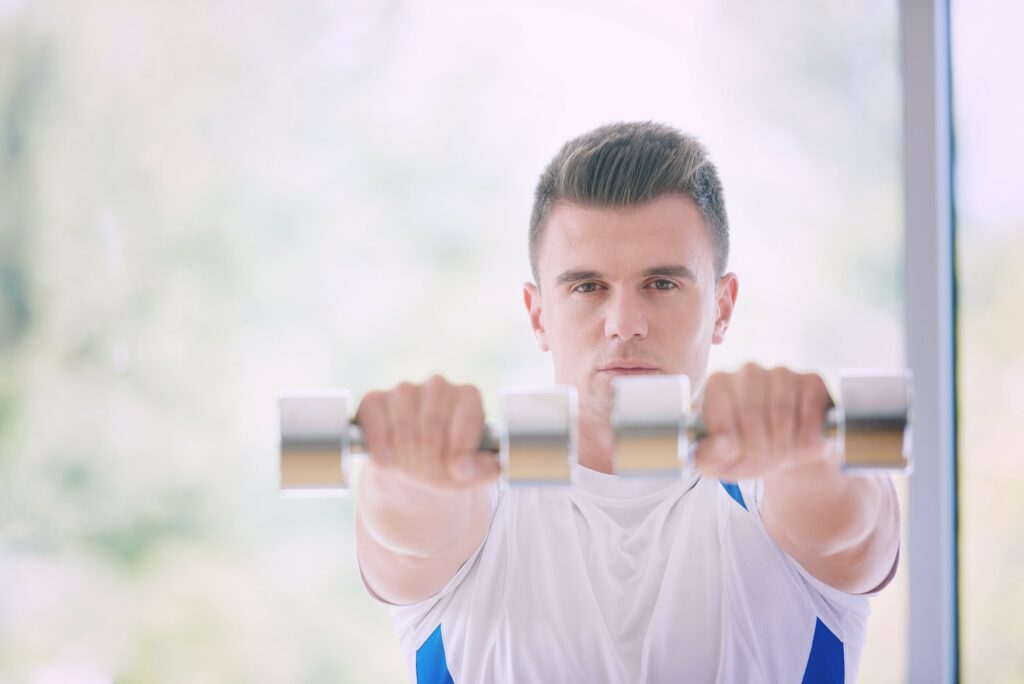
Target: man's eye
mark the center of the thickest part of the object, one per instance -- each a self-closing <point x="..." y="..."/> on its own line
<point x="660" y="284"/>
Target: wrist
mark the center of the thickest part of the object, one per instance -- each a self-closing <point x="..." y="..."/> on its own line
<point x="819" y="507"/>
<point x="816" y="465"/>
<point x="412" y="517"/>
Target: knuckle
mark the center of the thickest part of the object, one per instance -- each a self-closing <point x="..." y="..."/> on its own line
<point x="436" y="382"/>
<point x="813" y="381"/>
<point x="400" y="401"/>
<point x="751" y="368"/>
<point x="716" y="383"/>
<point x="373" y="396"/>
<point x="469" y="399"/>
<point x="371" y="406"/>
<point x="470" y="391"/>
<point x="404" y="389"/>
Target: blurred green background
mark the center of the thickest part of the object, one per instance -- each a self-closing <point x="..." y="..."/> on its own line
<point x="205" y="205"/>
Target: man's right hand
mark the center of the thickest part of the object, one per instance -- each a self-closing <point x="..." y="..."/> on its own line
<point x="421" y="508"/>
<point x="429" y="433"/>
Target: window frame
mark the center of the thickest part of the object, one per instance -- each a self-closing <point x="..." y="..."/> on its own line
<point x="930" y="325"/>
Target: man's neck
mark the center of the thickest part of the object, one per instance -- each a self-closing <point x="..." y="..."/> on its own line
<point x="596" y="444"/>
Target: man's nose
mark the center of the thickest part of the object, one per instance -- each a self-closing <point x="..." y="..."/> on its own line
<point x="625" y="316"/>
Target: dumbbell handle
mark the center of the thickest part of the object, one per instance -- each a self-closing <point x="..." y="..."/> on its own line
<point x="834" y="421"/>
<point x="490" y="441"/>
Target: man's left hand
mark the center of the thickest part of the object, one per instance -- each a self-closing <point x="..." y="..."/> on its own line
<point x="761" y="422"/>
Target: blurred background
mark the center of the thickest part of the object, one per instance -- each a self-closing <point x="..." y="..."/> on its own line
<point x="206" y="205"/>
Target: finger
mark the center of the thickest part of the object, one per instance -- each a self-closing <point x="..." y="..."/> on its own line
<point x="436" y="397"/>
<point x="375" y="424"/>
<point x="814" y="404"/>
<point x="718" y="455"/>
<point x="466" y="463"/>
<point x="783" y="411"/>
<point x="402" y="401"/>
<point x="721" y="447"/>
<point x="752" y="414"/>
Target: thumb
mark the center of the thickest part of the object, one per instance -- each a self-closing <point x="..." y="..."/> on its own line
<point x="715" y="452"/>
<point x="474" y="468"/>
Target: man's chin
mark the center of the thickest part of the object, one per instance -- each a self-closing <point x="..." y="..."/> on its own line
<point x="597" y="401"/>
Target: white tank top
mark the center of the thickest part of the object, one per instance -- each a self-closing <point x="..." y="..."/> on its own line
<point x="632" y="580"/>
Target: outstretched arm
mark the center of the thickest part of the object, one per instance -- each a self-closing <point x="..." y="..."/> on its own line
<point x="844" y="530"/>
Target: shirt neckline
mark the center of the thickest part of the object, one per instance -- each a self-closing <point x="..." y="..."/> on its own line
<point x="637" y="488"/>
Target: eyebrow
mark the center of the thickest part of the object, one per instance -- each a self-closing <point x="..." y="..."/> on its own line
<point x="676" y="270"/>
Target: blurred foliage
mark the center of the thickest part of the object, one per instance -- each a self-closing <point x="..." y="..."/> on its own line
<point x="203" y="206"/>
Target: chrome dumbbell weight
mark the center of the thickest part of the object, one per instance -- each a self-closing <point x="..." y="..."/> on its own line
<point x="535" y="441"/>
<point x="652" y="420"/>
<point x="655" y="426"/>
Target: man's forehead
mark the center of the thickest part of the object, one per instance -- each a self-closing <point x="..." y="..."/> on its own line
<point x="670" y="219"/>
<point x="624" y="242"/>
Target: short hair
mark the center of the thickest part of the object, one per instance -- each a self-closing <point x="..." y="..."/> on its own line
<point x="629" y="163"/>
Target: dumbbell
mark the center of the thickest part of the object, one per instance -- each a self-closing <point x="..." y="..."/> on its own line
<point x="655" y="428"/>
<point x="535" y="442"/>
<point x="653" y="423"/>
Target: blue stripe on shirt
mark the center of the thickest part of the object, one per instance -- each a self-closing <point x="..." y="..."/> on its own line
<point x="734" y="492"/>
<point x="431" y="665"/>
<point x="826" y="662"/>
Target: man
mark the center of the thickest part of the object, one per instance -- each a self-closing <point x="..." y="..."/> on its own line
<point x="756" y="568"/>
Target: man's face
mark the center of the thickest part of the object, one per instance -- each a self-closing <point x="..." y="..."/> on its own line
<point x="627" y="285"/>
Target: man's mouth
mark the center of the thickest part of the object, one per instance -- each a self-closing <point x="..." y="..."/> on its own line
<point x="629" y="371"/>
<point x="628" y="367"/>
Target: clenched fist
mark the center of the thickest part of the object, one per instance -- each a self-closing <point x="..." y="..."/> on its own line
<point x="761" y="422"/>
<point x="428" y="432"/>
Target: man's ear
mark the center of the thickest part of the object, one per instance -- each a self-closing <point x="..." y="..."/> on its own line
<point x="725" y="296"/>
<point x="531" y="297"/>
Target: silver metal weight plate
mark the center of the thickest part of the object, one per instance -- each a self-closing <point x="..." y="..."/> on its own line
<point x="874" y="429"/>
<point x="314" y="441"/>
<point x="649" y="418"/>
<point x="539" y="433"/>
